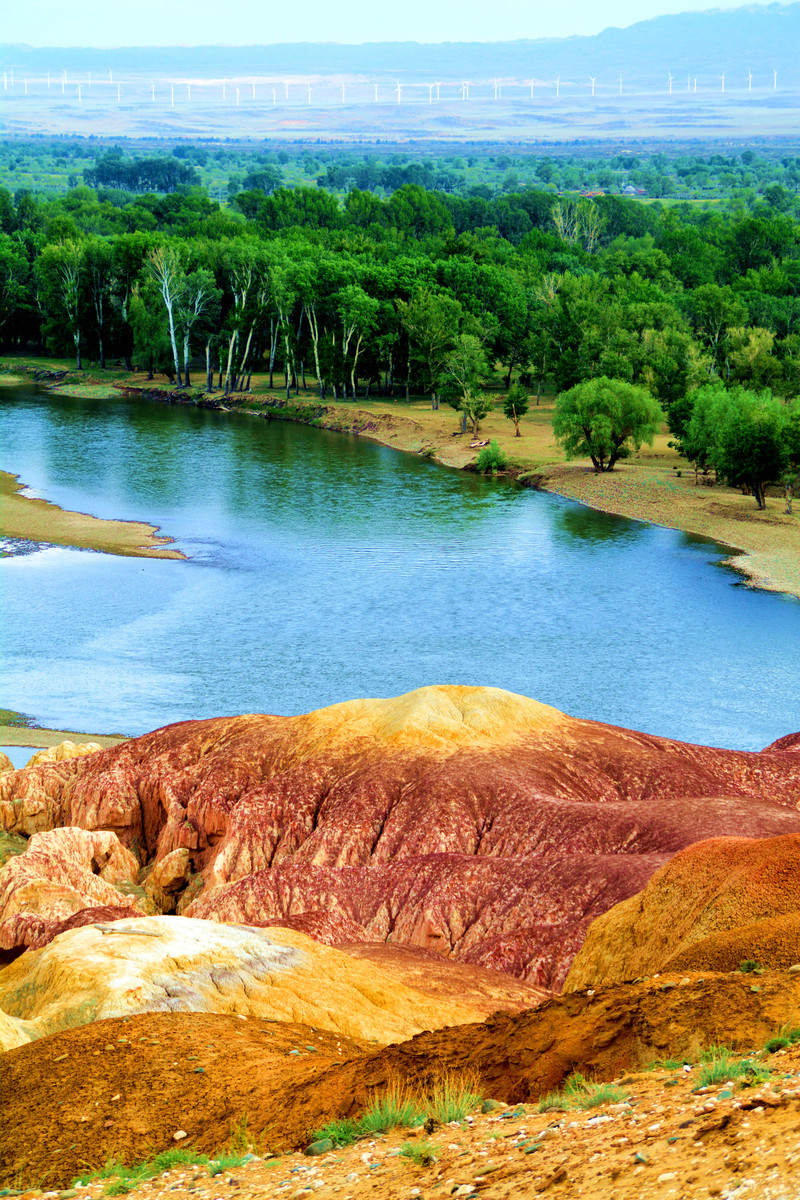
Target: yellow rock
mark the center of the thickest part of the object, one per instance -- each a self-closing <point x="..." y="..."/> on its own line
<point x="177" y="964"/>
<point x="62" y="752"/>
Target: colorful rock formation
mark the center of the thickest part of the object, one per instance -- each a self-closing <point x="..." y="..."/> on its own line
<point x="61" y="873"/>
<point x="468" y="821"/>
<point x="713" y="906"/>
<point x="175" y="964"/>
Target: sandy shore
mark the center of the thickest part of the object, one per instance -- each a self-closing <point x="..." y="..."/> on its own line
<point x="38" y="520"/>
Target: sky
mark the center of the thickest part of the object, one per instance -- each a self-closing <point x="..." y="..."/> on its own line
<point x="259" y="22"/>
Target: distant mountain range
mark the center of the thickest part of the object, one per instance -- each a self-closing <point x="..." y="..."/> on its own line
<point x="756" y="38"/>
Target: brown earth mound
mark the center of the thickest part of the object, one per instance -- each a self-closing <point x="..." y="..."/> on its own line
<point x="469" y="821"/>
<point x="712" y="906"/>
<point x="123" y="1088"/>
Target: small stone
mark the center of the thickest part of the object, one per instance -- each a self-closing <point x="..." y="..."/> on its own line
<point x="352" y="1177"/>
<point x="323" y="1146"/>
<point x="179" y="1135"/>
<point x="464" y="1189"/>
<point x="685" y="981"/>
<point x="795" y="970"/>
<point x="489" y="1106"/>
<point x="640" y="1158"/>
<point x="667" y="1176"/>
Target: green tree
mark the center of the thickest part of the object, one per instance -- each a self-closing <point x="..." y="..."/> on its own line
<point x="463" y="371"/>
<point x="604" y="419"/>
<point x="753" y="442"/>
<point x="515" y="405"/>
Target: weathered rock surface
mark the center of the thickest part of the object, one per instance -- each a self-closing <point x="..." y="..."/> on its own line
<point x="5" y="763"/>
<point x="714" y="905"/>
<point x="466" y="820"/>
<point x="61" y="873"/>
<point x="176" y="964"/>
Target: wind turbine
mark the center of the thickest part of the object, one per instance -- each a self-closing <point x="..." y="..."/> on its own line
<point x="592" y="80"/>
<point x="286" y="86"/>
<point x="430" y="88"/>
<point x="172" y="95"/>
<point x="669" y="81"/>
<point x="749" y="81"/>
<point x="530" y="83"/>
<point x="620" y="85"/>
<point x="253" y="85"/>
<point x="774" y="80"/>
<point x="309" y="93"/>
<point x="80" y="98"/>
<point x="399" y="92"/>
<point x="153" y="90"/>
<point x="274" y="98"/>
<point x="188" y="91"/>
<point x="224" y="89"/>
<point x="464" y="91"/>
<point x="342" y="93"/>
<point x="237" y="97"/>
<point x="376" y="93"/>
<point x="438" y="85"/>
<point x="558" y="87"/>
<point x="722" y="77"/>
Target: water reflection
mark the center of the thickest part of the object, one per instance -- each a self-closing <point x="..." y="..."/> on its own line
<point x="577" y="523"/>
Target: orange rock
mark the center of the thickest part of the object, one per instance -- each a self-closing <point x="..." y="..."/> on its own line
<point x="714" y="905"/>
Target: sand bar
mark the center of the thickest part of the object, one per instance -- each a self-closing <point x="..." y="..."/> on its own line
<point x="37" y="520"/>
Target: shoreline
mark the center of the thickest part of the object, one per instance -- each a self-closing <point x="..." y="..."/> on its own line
<point x="32" y="519"/>
<point x="654" y="487"/>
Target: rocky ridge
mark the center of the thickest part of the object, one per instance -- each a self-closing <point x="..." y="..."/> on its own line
<point x="468" y="821"/>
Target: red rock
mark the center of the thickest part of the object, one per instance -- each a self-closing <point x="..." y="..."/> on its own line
<point x="468" y="820"/>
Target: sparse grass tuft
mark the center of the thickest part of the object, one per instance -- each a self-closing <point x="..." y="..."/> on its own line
<point x="421" y="1153"/>
<point x="720" y="1066"/>
<point x="454" y="1094"/>
<point x="397" y="1106"/>
<point x="341" y="1132"/>
<point x="749" y="966"/>
<point x="582" y="1093"/>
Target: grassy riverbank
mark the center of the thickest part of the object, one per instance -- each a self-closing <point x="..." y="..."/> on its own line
<point x="654" y="485"/>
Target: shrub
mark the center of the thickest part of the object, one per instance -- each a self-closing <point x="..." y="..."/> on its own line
<point x="341" y="1132"/>
<point x="491" y="458"/>
<point x="749" y="965"/>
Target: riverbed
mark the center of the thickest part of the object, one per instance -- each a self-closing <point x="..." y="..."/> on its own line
<point x="320" y="567"/>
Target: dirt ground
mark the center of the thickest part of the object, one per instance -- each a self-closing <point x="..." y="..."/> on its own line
<point x="124" y="1087"/>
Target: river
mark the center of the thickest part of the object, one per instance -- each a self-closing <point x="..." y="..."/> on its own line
<point x="322" y="567"/>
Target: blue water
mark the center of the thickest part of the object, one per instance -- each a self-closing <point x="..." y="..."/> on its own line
<point x="322" y="567"/>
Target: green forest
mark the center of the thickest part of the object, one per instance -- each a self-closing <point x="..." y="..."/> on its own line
<point x="420" y="291"/>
